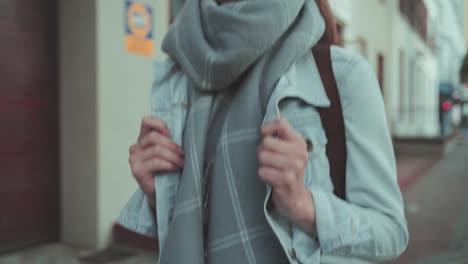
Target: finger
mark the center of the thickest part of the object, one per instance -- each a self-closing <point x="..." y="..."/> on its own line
<point x="156" y="165"/>
<point x="146" y="183"/>
<point x="280" y="128"/>
<point x="159" y="151"/>
<point x="278" y="161"/>
<point x="138" y="170"/>
<point x="134" y="148"/>
<point x="280" y="181"/>
<point x="150" y="123"/>
<point x="156" y="138"/>
<point x="296" y="149"/>
<point x="271" y="176"/>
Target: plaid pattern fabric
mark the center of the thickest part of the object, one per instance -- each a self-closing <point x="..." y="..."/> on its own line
<point x="268" y="39"/>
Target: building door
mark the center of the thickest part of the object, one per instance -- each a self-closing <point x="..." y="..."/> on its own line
<point x="29" y="183"/>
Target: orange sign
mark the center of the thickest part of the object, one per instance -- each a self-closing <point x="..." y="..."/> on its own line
<point x="139" y="29"/>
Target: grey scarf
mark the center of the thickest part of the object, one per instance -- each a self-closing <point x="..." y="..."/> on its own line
<point x="234" y="55"/>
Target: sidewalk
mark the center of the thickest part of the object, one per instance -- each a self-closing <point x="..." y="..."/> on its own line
<point x="437" y="212"/>
<point x="64" y="254"/>
<point x="410" y="168"/>
<point x="416" y="157"/>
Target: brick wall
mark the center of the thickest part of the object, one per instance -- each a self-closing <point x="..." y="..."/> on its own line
<point x="28" y="123"/>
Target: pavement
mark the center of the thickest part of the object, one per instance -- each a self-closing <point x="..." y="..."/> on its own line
<point x="437" y="212"/>
<point x="60" y="253"/>
<point x="410" y="168"/>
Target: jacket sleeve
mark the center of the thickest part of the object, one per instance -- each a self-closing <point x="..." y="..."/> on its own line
<point x="138" y="217"/>
<point x="370" y="224"/>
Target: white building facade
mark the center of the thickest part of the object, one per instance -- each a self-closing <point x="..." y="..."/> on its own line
<point x="415" y="93"/>
<point x="395" y="39"/>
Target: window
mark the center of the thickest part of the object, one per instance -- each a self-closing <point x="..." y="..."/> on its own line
<point x="401" y="95"/>
<point x="361" y="46"/>
<point x="380" y="70"/>
<point x="403" y="6"/>
<point x="415" y="11"/>
<point x="340" y="30"/>
<point x="171" y="12"/>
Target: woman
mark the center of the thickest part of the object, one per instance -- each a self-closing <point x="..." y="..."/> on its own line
<point x="234" y="113"/>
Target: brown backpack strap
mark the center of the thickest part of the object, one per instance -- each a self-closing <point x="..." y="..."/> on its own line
<point x="332" y="121"/>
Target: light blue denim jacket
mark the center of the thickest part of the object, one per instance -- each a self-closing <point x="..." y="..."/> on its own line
<point x="369" y="226"/>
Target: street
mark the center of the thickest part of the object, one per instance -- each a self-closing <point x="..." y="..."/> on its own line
<point x="437" y="212"/>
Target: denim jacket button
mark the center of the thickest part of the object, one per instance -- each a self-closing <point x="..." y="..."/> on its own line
<point x="309" y="144"/>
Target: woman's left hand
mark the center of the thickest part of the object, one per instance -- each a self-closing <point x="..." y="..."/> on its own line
<point x="282" y="157"/>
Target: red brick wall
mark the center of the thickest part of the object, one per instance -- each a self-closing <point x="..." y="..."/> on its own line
<point x="29" y="183"/>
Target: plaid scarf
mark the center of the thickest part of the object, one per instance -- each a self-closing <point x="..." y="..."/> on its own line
<point x="234" y="55"/>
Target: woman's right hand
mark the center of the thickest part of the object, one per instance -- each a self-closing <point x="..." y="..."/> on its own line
<point x="154" y="153"/>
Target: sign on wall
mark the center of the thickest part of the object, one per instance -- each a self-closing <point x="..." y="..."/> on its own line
<point x="139" y="28"/>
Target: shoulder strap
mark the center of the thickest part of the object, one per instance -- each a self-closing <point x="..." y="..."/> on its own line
<point x="332" y="121"/>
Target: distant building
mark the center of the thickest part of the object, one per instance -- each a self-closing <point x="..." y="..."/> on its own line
<point x="396" y="38"/>
<point x="416" y="101"/>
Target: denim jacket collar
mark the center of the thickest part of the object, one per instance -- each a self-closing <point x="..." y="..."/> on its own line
<point x="303" y="81"/>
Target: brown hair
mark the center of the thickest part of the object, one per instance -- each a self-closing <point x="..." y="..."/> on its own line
<point x="331" y="32"/>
